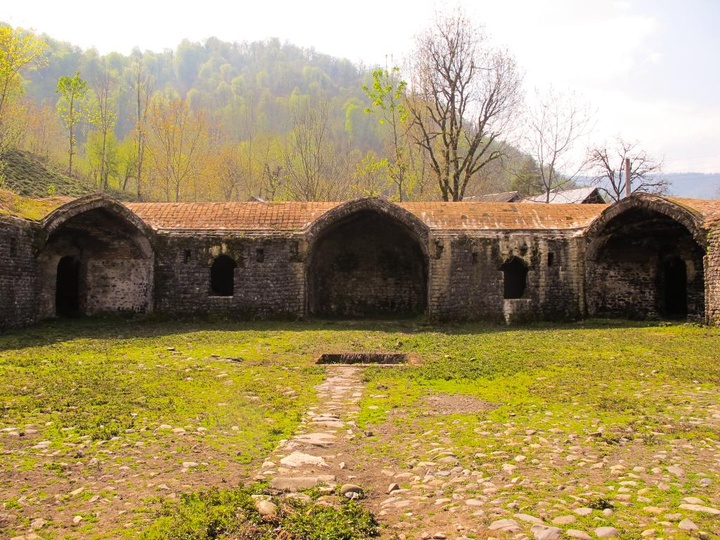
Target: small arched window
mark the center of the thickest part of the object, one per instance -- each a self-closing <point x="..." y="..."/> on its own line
<point x="222" y="276"/>
<point x="514" y="278"/>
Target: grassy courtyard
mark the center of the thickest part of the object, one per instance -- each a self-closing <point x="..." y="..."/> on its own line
<point x="105" y="424"/>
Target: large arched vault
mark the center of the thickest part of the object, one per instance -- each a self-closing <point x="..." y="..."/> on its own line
<point x="94" y="256"/>
<point x="368" y="258"/>
<point x="644" y="259"/>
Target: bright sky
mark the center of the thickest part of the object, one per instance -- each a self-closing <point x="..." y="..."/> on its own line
<point x="651" y="68"/>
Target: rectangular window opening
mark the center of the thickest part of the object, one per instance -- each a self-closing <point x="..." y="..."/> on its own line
<point x="187" y="256"/>
<point x="550" y="259"/>
<point x="13" y="247"/>
<point x="259" y="254"/>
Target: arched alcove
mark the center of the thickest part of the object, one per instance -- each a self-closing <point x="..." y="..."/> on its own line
<point x="95" y="257"/>
<point x="367" y="262"/>
<point x="645" y="260"/>
<point x="514" y="278"/>
<point x="222" y="276"/>
<point x="67" y="286"/>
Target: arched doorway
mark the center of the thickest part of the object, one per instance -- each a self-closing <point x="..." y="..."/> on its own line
<point x="222" y="276"/>
<point x="514" y="278"/>
<point x="67" y="286"/>
<point x="673" y="284"/>
<point x="367" y="264"/>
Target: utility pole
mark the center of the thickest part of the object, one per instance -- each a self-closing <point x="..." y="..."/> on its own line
<point x="628" y="186"/>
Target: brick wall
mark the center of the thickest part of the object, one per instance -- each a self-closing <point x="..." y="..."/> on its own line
<point x="268" y="279"/>
<point x="18" y="285"/>
<point x="712" y="278"/>
<point x="466" y="280"/>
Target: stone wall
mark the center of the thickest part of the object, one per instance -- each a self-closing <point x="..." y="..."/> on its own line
<point x="466" y="280"/>
<point x="118" y="286"/>
<point x="115" y="265"/>
<point x="268" y="278"/>
<point x="18" y="277"/>
<point x="712" y="277"/>
<point x="367" y="258"/>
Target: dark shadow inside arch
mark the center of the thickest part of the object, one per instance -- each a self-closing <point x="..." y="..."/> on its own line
<point x="367" y="265"/>
<point x="222" y="276"/>
<point x="673" y="286"/>
<point x="514" y="278"/>
<point x="67" y="289"/>
<point x="645" y="265"/>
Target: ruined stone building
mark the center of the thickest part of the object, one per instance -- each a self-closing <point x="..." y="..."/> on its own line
<point x="644" y="257"/>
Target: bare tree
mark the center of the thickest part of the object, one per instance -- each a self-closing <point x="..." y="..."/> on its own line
<point x="314" y="162"/>
<point x="142" y="86"/>
<point x="462" y="96"/>
<point x="608" y="167"/>
<point x="104" y="117"/>
<point x="556" y="122"/>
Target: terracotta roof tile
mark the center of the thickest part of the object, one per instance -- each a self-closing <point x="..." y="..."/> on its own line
<point x="294" y="216"/>
<point x="238" y="216"/>
<point x="709" y="208"/>
<point x="504" y="216"/>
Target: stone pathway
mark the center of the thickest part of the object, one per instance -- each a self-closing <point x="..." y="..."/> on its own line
<point x="312" y="457"/>
<point x="525" y="483"/>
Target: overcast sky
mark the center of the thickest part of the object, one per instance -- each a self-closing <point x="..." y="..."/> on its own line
<point x="651" y="68"/>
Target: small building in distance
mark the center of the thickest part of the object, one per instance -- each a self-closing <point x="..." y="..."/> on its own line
<point x="581" y="195"/>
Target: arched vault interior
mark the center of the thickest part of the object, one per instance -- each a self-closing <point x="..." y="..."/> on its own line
<point x="112" y="266"/>
<point x="367" y="264"/>
<point x="645" y="264"/>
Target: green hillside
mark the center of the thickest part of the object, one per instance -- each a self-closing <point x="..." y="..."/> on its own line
<point x="30" y="176"/>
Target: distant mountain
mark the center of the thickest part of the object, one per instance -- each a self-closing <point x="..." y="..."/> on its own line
<point x="694" y="185"/>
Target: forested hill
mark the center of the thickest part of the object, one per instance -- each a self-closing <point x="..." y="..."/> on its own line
<point x="230" y="80"/>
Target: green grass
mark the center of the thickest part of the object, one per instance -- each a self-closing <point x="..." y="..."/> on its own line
<point x="109" y="396"/>
<point x="231" y="513"/>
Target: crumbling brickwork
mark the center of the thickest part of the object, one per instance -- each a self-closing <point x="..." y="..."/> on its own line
<point x="18" y="283"/>
<point x="268" y="278"/>
<point x="644" y="257"/>
<point x="712" y="276"/>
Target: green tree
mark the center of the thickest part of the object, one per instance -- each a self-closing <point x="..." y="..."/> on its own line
<point x="179" y="148"/>
<point x="387" y="97"/>
<point x="71" y="107"/>
<point x="18" y="50"/>
<point x="142" y="90"/>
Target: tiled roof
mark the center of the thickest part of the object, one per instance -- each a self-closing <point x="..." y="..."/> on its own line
<point x="503" y="216"/>
<point x="294" y="216"/>
<point x="504" y="196"/>
<point x="246" y="216"/>
<point x="709" y="208"/>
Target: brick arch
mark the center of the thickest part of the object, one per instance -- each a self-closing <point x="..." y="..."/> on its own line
<point x="410" y="222"/>
<point x="367" y="258"/>
<point x="633" y="250"/>
<point x="111" y="254"/>
<point x="689" y="218"/>
<point x="61" y="215"/>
